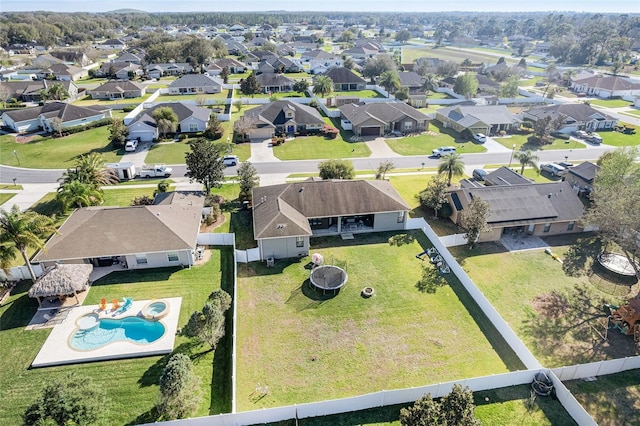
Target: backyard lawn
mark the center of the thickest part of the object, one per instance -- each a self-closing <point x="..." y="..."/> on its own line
<point x="87" y="101"/>
<point x="362" y="94"/>
<point x="611" y="400"/>
<point x="132" y="385"/>
<point x="437" y="136"/>
<point x="57" y="153"/>
<point x="520" y="141"/>
<point x="553" y="307"/>
<point x="193" y="97"/>
<point x="308" y="347"/>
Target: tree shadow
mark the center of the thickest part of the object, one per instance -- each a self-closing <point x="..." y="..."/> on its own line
<point x="580" y="255"/>
<point x="135" y="276"/>
<point x="19" y="310"/>
<point x="306" y="297"/>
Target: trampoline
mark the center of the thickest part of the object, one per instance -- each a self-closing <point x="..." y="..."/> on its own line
<point x="617" y="263"/>
<point x="328" y="278"/>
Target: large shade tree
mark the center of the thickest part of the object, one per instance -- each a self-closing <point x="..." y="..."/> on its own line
<point x="90" y="169"/>
<point x="166" y="120"/>
<point x="390" y="81"/>
<point x="248" y="177"/>
<point x="22" y="231"/>
<point x="614" y="203"/>
<point x="451" y="165"/>
<point x="205" y="165"/>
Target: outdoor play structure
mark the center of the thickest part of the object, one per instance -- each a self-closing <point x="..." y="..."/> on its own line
<point x="435" y="259"/>
<point x="626" y="318"/>
<point x="326" y="277"/>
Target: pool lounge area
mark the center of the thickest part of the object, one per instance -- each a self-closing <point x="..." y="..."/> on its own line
<point x="88" y="334"/>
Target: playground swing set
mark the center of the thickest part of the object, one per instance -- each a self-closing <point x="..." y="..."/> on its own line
<point x="435" y="259"/>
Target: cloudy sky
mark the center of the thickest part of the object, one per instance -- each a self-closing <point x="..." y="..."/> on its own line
<point x="613" y="6"/>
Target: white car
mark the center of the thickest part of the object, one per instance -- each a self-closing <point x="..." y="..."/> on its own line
<point x="479" y="137"/>
<point x="553" y="169"/>
<point x="131" y="145"/>
<point x="443" y="150"/>
<point x="230" y="160"/>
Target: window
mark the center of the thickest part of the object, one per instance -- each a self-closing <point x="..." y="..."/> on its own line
<point x="299" y="241"/>
<point x="408" y="125"/>
<point x="141" y="259"/>
<point x="547" y="227"/>
<point x="193" y="127"/>
<point x="400" y="217"/>
<point x="315" y="222"/>
<point x="172" y="256"/>
<point x="571" y="225"/>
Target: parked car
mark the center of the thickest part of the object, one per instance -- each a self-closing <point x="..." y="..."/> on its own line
<point x="155" y="171"/>
<point x="131" y="145"/>
<point x="443" y="150"/>
<point x="230" y="160"/>
<point x="479" y="174"/>
<point x="595" y="138"/>
<point x="553" y="169"/>
<point x="479" y="137"/>
<point x="581" y="134"/>
<point x="566" y="164"/>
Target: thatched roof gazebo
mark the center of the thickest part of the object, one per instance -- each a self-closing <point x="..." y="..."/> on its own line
<point x="61" y="280"/>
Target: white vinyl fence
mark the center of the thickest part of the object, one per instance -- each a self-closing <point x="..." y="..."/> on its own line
<point x="18" y="273"/>
<point x="246" y="256"/>
<point x="600" y="368"/>
<point x="210" y="239"/>
<point x="454" y="240"/>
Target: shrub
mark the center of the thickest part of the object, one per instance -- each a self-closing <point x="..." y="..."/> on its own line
<point x="503" y="133"/>
<point x="129" y="108"/>
<point x="182" y="137"/>
<point x="178" y="388"/>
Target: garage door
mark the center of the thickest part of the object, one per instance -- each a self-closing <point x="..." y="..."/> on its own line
<point x="370" y="131"/>
<point x="261" y="134"/>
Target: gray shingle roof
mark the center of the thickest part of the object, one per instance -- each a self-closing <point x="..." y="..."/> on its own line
<point x="66" y="112"/>
<point x="505" y="176"/>
<point x="183" y="111"/>
<point x="488" y="114"/>
<point x="341" y="75"/>
<point x="579" y="112"/>
<point x="273" y="112"/>
<point x="118" y="86"/>
<point x="195" y="80"/>
<point x="284" y="210"/>
<point x="385" y="112"/>
<point x="115" y="231"/>
<point x="586" y="171"/>
<point x="609" y="83"/>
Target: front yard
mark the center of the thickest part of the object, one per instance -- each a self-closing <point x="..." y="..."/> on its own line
<point x="308" y="347"/>
<point x="132" y="384"/>
<point x="521" y="144"/>
<point x="437" y="136"/>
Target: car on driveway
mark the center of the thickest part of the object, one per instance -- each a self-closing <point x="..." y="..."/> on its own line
<point x="230" y="160"/>
<point x="443" y="150"/>
<point x="131" y="145"/>
<point x="479" y="174"/>
<point x="479" y="137"/>
<point x="553" y="169"/>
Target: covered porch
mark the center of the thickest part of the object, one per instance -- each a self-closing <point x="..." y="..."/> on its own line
<point x="340" y="224"/>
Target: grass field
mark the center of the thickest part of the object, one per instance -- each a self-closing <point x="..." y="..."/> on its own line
<point x="87" y="101"/>
<point x="293" y="339"/>
<point x="520" y="141"/>
<point x="620" y="139"/>
<point x="611" y="103"/>
<point x="362" y="94"/>
<point x="4" y="197"/>
<point x="57" y="153"/>
<point x="224" y="94"/>
<point x="123" y="196"/>
<point x="411" y="53"/>
<point x="503" y="407"/>
<point x="132" y="385"/>
<point x="521" y="294"/>
<point x="425" y="143"/>
<point x="611" y="400"/>
<point x="319" y="147"/>
<point x="632" y="112"/>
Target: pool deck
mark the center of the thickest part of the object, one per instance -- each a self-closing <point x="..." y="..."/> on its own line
<point x="56" y="349"/>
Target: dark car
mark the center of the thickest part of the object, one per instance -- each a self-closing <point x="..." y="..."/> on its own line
<point x="479" y="174"/>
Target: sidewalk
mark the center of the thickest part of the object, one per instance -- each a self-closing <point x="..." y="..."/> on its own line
<point x="30" y="194"/>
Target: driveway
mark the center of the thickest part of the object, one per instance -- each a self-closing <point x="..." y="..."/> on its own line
<point x="262" y="152"/>
<point x="137" y="157"/>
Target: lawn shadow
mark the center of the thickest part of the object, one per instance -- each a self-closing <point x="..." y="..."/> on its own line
<point x="241" y="224"/>
<point x="136" y="276"/>
<point x="306" y="297"/>
<point x="18" y="311"/>
<point x="580" y="255"/>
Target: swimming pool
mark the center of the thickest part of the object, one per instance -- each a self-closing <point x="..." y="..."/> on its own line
<point x="140" y="331"/>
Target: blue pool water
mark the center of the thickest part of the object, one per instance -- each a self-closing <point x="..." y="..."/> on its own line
<point x="156" y="308"/>
<point x="132" y="329"/>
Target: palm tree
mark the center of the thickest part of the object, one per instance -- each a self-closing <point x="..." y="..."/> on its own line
<point x="322" y="85"/>
<point x="390" y="81"/>
<point x="23" y="230"/>
<point x="451" y="164"/>
<point x="430" y="83"/>
<point x="90" y="169"/>
<point x="527" y="158"/>
<point x="79" y="194"/>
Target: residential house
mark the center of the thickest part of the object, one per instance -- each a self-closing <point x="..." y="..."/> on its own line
<point x="160" y="235"/>
<point x="283" y="116"/>
<point x="41" y="117"/>
<point x="345" y="80"/>
<point x="577" y="117"/>
<point x="118" y="90"/>
<point x="377" y="119"/>
<point x="45" y="61"/>
<point x="606" y="86"/>
<point x="72" y="57"/>
<point x="274" y="83"/>
<point x="360" y="54"/>
<point x="169" y="69"/>
<point x="414" y="82"/>
<point x="30" y="90"/>
<point x="233" y="65"/>
<point x="504" y="176"/>
<point x="286" y="216"/>
<point x="320" y="61"/>
<point x="130" y="58"/>
<point x="487" y="119"/>
<point x="533" y="208"/>
<point x="502" y="68"/>
<point x="111" y="44"/>
<point x="119" y="70"/>
<point x="195" y="84"/>
<point x="65" y="72"/>
<point x="191" y="119"/>
<point x="581" y="177"/>
<point x="486" y="86"/>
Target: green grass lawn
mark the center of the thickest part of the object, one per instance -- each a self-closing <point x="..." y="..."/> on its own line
<point x="87" y="101"/>
<point x="193" y="97"/>
<point x="4" y="197"/>
<point x="520" y="141"/>
<point x="611" y="103"/>
<point x="174" y="152"/>
<point x="438" y="95"/>
<point x="632" y="112"/>
<point x="132" y="384"/>
<point x="10" y="186"/>
<point x="308" y="347"/>
<point x="505" y="406"/>
<point x="611" y="400"/>
<point x="530" y="81"/>
<point x="425" y="143"/>
<point x="620" y="139"/>
<point x="520" y="293"/>
<point x="411" y="53"/>
<point x="57" y="153"/>
<point x="123" y="196"/>
<point x="319" y="147"/>
<point x="362" y="94"/>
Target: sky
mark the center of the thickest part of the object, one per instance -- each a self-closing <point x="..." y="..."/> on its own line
<point x="601" y="6"/>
